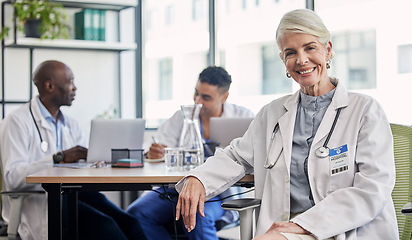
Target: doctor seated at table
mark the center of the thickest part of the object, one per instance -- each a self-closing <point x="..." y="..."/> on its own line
<point x="37" y="134"/>
<point x="322" y="158"/>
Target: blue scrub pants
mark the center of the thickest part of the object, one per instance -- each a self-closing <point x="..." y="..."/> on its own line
<point x="100" y="219"/>
<point x="155" y="212"/>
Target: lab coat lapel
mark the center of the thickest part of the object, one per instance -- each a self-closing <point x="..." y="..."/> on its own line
<point x="325" y="125"/>
<point x="286" y="126"/>
<point x="340" y="99"/>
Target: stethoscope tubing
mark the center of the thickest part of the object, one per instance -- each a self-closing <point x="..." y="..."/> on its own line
<point x="324" y="149"/>
<point x="325" y="144"/>
<point x="35" y="123"/>
<point x="44" y="146"/>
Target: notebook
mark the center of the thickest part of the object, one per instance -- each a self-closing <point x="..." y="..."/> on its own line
<point x="108" y="134"/>
<point x="224" y="130"/>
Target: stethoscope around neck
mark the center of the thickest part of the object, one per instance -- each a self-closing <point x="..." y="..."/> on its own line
<point x="321" y="152"/>
<point x="44" y="145"/>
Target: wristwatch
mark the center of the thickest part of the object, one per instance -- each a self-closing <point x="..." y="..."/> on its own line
<point x="58" y="157"/>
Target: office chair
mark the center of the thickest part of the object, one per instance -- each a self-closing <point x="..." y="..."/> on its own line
<point x="16" y="200"/>
<point x="401" y="194"/>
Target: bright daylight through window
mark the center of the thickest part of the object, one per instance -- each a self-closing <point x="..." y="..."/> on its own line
<point x="372" y="47"/>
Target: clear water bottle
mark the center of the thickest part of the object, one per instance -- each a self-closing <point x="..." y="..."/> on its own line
<point x="190" y="138"/>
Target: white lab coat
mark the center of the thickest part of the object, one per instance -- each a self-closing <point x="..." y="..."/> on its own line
<point x="21" y="156"/>
<point x="353" y="205"/>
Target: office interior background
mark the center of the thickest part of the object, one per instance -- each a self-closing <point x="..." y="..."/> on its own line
<point x="175" y="39"/>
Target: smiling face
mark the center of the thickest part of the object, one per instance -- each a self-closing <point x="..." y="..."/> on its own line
<point x="305" y="59"/>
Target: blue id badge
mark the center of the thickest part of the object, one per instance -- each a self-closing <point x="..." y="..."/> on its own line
<point x="339" y="162"/>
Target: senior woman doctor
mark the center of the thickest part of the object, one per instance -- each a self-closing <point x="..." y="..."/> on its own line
<point x="322" y="157"/>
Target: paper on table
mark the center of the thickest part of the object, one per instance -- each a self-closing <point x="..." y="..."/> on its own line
<point x="155" y="160"/>
<point x="73" y="165"/>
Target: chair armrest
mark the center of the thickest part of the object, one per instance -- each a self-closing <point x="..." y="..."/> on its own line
<point x="16" y="200"/>
<point x="407" y="209"/>
<point x="241" y="204"/>
<point x="245" y="207"/>
<point x="20" y="193"/>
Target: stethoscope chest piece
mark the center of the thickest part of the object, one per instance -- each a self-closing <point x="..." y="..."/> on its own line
<point x="44" y="146"/>
<point x="322" y="152"/>
<point x="269" y="165"/>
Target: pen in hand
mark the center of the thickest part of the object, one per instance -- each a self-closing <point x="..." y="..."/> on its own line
<point x="156" y="150"/>
<point x="155" y="140"/>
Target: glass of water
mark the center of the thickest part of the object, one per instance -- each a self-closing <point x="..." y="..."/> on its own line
<point x="192" y="158"/>
<point x="173" y="158"/>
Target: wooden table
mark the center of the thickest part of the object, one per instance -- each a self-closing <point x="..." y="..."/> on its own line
<point x="57" y="181"/>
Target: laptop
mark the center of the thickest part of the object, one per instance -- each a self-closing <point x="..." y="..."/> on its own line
<point x="224" y="130"/>
<point x="108" y="134"/>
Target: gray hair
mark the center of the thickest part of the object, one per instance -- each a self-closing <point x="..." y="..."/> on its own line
<point x="303" y="21"/>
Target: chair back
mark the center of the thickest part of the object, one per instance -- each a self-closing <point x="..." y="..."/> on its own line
<point x="402" y="193"/>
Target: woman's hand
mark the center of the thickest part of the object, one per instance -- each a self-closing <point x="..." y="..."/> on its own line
<point x="191" y="196"/>
<point x="285" y="227"/>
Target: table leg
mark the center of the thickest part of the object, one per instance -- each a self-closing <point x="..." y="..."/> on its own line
<point x="54" y="202"/>
<point x="73" y="215"/>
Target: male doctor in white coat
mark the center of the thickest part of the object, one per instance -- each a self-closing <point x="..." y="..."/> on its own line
<point x="37" y="134"/>
<point x="23" y="153"/>
<point x="212" y="91"/>
<point x="307" y="194"/>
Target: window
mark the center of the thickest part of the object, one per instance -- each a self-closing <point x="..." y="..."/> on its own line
<point x="355" y="62"/>
<point x="149" y="19"/>
<point x="170" y="15"/>
<point x="246" y="37"/>
<point x="227" y="6"/>
<point x="273" y="81"/>
<point x="165" y="79"/>
<point x="197" y="10"/>
<point x="244" y="4"/>
<point x="371" y="52"/>
<point x="405" y="59"/>
<point x="173" y="57"/>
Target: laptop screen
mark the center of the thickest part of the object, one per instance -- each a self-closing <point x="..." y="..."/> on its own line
<point x="224" y="130"/>
<point x="108" y="134"/>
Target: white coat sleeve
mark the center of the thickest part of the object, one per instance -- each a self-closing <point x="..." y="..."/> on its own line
<point x="226" y="167"/>
<point x="169" y="132"/>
